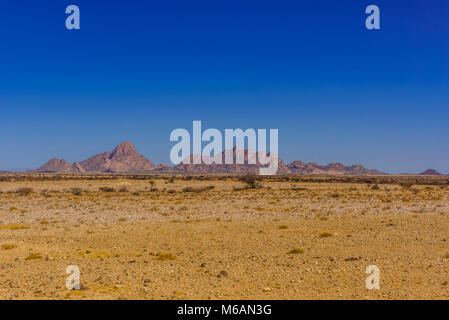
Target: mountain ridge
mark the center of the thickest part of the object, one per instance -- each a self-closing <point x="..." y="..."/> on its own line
<point x="125" y="159"/>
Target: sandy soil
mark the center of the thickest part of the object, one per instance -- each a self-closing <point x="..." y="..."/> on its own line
<point x="283" y="241"/>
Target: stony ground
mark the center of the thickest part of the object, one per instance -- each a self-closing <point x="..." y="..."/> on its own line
<point x="216" y="240"/>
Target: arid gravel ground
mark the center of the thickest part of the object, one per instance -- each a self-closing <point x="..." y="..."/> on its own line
<point x="283" y="241"/>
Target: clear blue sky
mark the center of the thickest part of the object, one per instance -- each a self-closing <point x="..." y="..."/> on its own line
<point x="139" y="69"/>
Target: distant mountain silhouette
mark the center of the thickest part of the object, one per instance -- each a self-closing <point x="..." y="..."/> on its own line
<point x="299" y="167"/>
<point x="58" y="166"/>
<point x="430" y="172"/>
<point x="244" y="168"/>
<point x="125" y="159"/>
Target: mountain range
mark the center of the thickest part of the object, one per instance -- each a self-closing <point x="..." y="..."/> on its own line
<point x="125" y="159"/>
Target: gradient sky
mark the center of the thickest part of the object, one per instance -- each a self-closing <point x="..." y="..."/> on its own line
<point x="136" y="70"/>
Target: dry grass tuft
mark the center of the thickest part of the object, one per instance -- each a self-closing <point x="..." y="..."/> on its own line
<point x="165" y="256"/>
<point x="296" y="251"/>
<point x="197" y="189"/>
<point x="405" y="184"/>
<point x="23" y="191"/>
<point x="34" y="256"/>
<point x="76" y="191"/>
<point x="8" y="246"/>
<point x="13" y="227"/>
<point x="107" y="189"/>
<point x="325" y="235"/>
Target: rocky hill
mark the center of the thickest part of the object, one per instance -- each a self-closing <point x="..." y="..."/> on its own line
<point x="430" y="172"/>
<point x="229" y="168"/>
<point x="59" y="166"/>
<point x="124" y="158"/>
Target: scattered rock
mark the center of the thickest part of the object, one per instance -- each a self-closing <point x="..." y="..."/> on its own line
<point x="222" y="274"/>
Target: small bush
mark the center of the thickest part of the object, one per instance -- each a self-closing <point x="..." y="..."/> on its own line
<point x="197" y="189"/>
<point x="325" y="235"/>
<point x="165" y="256"/>
<point x="76" y="191"/>
<point x="24" y="191"/>
<point x="296" y="251"/>
<point x="251" y="181"/>
<point x="335" y="195"/>
<point x="107" y="189"/>
<point x="406" y="184"/>
<point x="171" y="180"/>
<point x="298" y="188"/>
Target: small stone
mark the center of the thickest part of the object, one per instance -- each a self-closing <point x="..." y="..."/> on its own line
<point x="222" y="274"/>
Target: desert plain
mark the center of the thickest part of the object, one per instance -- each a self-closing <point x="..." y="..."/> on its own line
<point x="219" y="237"/>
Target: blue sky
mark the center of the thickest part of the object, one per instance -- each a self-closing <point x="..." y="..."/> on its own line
<point x="136" y="70"/>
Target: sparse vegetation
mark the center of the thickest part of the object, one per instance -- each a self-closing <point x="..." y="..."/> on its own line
<point x="405" y="184"/>
<point x="200" y="232"/>
<point x="165" y="256"/>
<point x="251" y="181"/>
<point x="14" y="227"/>
<point x="171" y="179"/>
<point x="325" y="235"/>
<point x="335" y="195"/>
<point x="197" y="189"/>
<point x="107" y="189"/>
<point x="34" y="256"/>
<point x="296" y="251"/>
<point x="76" y="191"/>
<point x="24" y="191"/>
<point x="153" y="185"/>
<point x="8" y="246"/>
